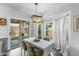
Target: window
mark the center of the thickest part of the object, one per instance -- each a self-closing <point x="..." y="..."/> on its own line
<point x="49" y="31"/>
<point x="39" y="31"/>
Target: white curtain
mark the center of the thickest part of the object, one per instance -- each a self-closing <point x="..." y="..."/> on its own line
<point x="62" y="34"/>
<point x="57" y="35"/>
<point x="64" y="38"/>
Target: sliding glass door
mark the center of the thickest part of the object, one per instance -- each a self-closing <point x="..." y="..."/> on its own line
<point x="25" y="29"/>
<point x="18" y="30"/>
<point x="43" y="30"/>
<point x="48" y="30"/>
<point x="14" y="32"/>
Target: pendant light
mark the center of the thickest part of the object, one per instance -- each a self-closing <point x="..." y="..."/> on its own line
<point x="36" y="18"/>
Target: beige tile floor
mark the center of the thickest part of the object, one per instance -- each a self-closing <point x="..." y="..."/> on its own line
<point x="17" y="52"/>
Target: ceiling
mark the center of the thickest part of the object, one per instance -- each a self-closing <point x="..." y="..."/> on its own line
<point x="43" y="9"/>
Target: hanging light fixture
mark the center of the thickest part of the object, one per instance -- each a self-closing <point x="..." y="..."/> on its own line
<point x="36" y="18"/>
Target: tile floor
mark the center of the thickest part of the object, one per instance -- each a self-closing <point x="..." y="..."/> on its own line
<point x="17" y="52"/>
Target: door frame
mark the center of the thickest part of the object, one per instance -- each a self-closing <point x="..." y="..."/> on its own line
<point x="9" y="43"/>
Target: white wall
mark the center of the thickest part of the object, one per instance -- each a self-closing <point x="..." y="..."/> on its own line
<point x="74" y="49"/>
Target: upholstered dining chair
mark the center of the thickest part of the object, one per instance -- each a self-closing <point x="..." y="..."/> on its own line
<point x="30" y="50"/>
<point x="38" y="51"/>
<point x="46" y="39"/>
<point x="24" y="47"/>
<point x="33" y="51"/>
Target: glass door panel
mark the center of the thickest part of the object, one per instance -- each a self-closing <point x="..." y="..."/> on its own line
<point x="14" y="32"/>
<point x="19" y="31"/>
<point x="25" y="29"/>
<point x="49" y="31"/>
<point x="39" y="32"/>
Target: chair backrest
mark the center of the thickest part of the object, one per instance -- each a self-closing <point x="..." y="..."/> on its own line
<point x="46" y="39"/>
<point x="31" y="50"/>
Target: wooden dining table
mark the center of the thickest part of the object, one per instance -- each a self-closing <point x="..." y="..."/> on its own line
<point x="46" y="46"/>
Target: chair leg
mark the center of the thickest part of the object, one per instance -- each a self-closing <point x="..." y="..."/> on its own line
<point x="24" y="53"/>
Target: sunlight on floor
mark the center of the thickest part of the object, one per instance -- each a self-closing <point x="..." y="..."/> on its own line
<point x="15" y="52"/>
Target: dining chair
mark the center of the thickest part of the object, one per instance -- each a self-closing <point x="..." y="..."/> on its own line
<point x="46" y="39"/>
<point x="30" y="50"/>
<point x="38" y="51"/>
<point x="24" y="47"/>
<point x="33" y="51"/>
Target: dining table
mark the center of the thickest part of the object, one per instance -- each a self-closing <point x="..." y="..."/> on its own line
<point x="46" y="46"/>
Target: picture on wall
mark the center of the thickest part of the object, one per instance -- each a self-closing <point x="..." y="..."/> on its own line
<point x="76" y="23"/>
<point x="3" y="21"/>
